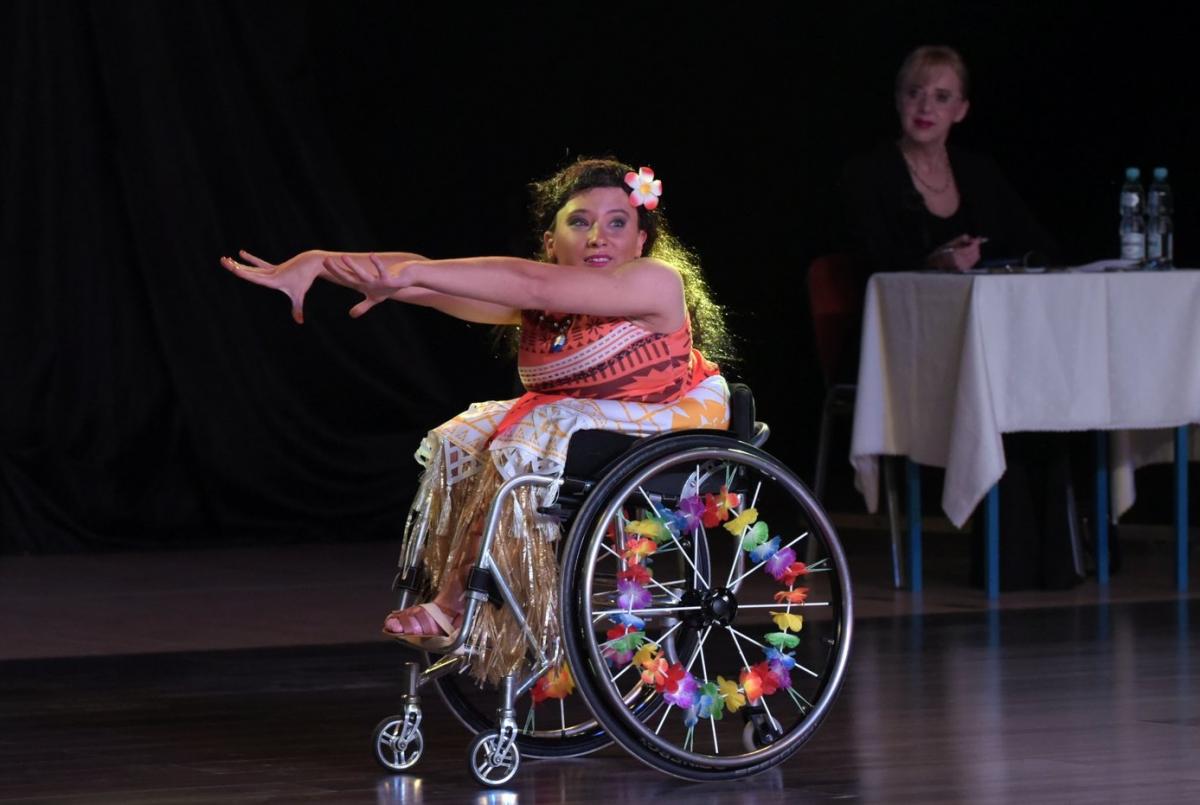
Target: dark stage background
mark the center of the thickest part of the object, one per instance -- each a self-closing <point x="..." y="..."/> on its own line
<point x="151" y="399"/>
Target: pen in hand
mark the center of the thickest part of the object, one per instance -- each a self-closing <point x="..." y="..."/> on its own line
<point x="956" y="246"/>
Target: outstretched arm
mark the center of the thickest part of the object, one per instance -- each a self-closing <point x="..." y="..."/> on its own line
<point x="646" y="291"/>
<point x="295" y="276"/>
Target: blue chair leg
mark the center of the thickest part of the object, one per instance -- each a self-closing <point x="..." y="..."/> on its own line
<point x="1102" y="568"/>
<point x="992" y="542"/>
<point x="913" y="479"/>
<point x="1181" y="508"/>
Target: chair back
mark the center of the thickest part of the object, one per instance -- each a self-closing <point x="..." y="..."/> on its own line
<point x="836" y="285"/>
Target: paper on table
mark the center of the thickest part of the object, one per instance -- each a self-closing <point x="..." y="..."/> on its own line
<point x="1006" y="270"/>
<point x="1105" y="265"/>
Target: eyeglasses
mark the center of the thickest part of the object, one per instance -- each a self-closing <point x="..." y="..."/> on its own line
<point x="939" y="97"/>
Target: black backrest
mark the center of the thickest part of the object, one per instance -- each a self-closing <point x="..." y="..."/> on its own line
<point x="593" y="450"/>
<point x="741" y="411"/>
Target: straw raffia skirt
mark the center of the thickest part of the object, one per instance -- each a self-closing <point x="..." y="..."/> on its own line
<point x="465" y="466"/>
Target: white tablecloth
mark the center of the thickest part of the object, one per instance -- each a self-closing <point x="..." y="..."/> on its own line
<point x="949" y="362"/>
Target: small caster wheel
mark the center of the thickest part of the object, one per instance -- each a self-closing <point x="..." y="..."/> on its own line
<point x="486" y="767"/>
<point x="393" y="749"/>
<point x="760" y="732"/>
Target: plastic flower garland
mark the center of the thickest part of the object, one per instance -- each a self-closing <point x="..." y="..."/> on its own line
<point x="627" y="643"/>
<point x="554" y="684"/>
<point x="646" y="189"/>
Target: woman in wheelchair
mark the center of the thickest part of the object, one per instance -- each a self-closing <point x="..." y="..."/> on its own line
<point x="610" y="344"/>
<point x="668" y="581"/>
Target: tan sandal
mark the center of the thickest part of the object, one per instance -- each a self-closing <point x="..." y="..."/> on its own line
<point x="432" y="642"/>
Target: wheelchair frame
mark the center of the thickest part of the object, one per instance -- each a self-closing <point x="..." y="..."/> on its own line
<point x="494" y="755"/>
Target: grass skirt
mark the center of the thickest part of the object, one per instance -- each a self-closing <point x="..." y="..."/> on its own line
<point x="464" y="467"/>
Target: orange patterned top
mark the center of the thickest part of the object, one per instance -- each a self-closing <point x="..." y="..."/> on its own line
<point x="606" y="358"/>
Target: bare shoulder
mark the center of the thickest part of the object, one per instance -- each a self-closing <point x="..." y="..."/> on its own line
<point x="659" y="288"/>
<point x="654" y="272"/>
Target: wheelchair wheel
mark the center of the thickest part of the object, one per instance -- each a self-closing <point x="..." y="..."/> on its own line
<point x="552" y="728"/>
<point x="393" y="749"/>
<point x="767" y="619"/>
<point x="488" y="764"/>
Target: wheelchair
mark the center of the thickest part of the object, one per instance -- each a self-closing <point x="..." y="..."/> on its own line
<point x="706" y="614"/>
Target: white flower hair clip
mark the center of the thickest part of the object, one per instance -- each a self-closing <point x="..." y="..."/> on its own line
<point x="646" y="189"/>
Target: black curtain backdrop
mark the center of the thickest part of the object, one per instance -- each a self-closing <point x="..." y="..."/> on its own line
<point x="150" y="399"/>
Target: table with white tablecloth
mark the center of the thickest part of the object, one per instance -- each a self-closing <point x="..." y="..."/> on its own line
<point x="950" y="361"/>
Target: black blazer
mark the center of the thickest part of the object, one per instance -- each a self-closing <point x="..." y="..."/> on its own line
<point x="891" y="228"/>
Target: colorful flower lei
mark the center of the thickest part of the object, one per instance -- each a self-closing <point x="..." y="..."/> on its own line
<point x="627" y="643"/>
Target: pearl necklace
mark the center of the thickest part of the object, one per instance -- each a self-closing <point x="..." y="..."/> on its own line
<point x="559" y="326"/>
<point x="912" y="170"/>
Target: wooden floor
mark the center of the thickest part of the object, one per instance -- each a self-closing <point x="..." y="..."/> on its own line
<point x="252" y="676"/>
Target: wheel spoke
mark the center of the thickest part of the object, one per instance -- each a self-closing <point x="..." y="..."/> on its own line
<point x="802" y="704"/>
<point x="737" y="546"/>
<point x="747" y="638"/>
<point x="662" y="639"/>
<point x="663" y="720"/>
<point x="734" y="584"/>
<point x="614" y="553"/>
<point x="675" y="540"/>
<point x="732" y="635"/>
<point x="648" y="610"/>
<point x="696" y="539"/>
<point x="699" y="648"/>
<point x="712" y="722"/>
<point x="776" y="606"/>
<point x="664" y="588"/>
<point x="653" y="581"/>
<point x="813" y="674"/>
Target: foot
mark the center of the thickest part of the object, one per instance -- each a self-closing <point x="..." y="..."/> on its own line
<point x="432" y="619"/>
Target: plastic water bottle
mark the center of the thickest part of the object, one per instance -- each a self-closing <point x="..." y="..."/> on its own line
<point x="1133" y="225"/>
<point x="1160" y="233"/>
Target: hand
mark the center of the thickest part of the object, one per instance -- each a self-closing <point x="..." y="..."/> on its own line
<point x="960" y="254"/>
<point x="293" y="277"/>
<point x="376" y="284"/>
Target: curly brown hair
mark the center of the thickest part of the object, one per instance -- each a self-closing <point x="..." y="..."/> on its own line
<point x="550" y="195"/>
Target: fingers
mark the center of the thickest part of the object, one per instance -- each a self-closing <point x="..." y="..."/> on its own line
<point x="360" y="274"/>
<point x="966" y="257"/>
<point x="362" y="307"/>
<point x="379" y="266"/>
<point x="296" y="297"/>
<point x="258" y="261"/>
<point x="263" y="274"/>
<point x="335" y="268"/>
<point x="255" y="275"/>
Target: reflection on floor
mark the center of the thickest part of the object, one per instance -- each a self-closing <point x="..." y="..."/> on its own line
<point x="70" y="606"/>
<point x="252" y="675"/>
